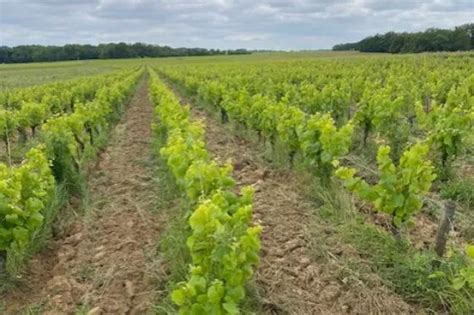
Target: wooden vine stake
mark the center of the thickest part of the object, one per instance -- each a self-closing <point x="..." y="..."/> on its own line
<point x="444" y="227"/>
<point x="7" y="143"/>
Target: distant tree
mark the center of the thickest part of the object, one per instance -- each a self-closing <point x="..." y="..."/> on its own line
<point x="36" y="53"/>
<point x="461" y="38"/>
<point x="5" y="54"/>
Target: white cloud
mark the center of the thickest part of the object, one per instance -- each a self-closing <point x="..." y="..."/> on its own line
<point x="246" y="37"/>
<point x="272" y="24"/>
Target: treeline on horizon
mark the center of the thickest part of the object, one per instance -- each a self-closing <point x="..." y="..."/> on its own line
<point x="37" y="53"/>
<point x="461" y="38"/>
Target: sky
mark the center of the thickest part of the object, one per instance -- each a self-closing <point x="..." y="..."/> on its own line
<point x="224" y="24"/>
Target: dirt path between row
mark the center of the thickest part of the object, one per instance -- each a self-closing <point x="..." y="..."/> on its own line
<point x="291" y="279"/>
<point x="101" y="265"/>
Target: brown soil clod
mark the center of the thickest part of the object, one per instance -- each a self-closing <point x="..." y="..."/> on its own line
<point x="101" y="263"/>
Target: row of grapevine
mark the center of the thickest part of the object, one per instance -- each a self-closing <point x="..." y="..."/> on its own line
<point x="63" y="143"/>
<point x="404" y="115"/>
<point x="223" y="243"/>
<point x="336" y="85"/>
<point x="65" y="91"/>
<point x="377" y="96"/>
<point x="315" y="136"/>
<point x="27" y="109"/>
<point x="25" y="190"/>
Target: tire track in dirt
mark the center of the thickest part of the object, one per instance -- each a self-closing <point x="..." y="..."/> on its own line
<point x="103" y="261"/>
<point x="290" y="279"/>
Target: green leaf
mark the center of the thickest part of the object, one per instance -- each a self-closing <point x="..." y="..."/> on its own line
<point x="178" y="296"/>
<point x="216" y="292"/>
<point x="470" y="251"/>
<point x="12" y="218"/>
<point x="21" y="236"/>
<point x="231" y="308"/>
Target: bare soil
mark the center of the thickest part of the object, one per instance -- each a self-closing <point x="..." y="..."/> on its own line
<point x="292" y="278"/>
<point x="102" y="262"/>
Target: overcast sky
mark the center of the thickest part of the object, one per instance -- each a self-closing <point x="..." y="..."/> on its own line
<point x="277" y="24"/>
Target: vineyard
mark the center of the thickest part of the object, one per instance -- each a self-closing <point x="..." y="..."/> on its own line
<point x="299" y="183"/>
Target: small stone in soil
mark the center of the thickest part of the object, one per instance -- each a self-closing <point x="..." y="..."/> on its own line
<point x="129" y="288"/>
<point x="95" y="311"/>
<point x="99" y="256"/>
